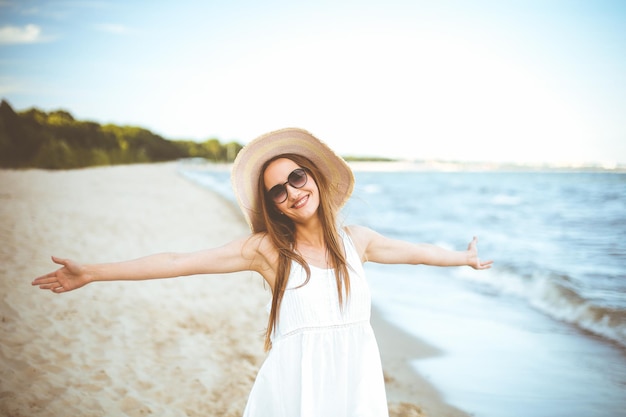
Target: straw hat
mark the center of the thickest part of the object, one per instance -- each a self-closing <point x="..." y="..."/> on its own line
<point x="247" y="169"/>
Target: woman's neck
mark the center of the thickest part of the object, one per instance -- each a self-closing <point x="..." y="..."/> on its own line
<point x="310" y="237"/>
<point x="309" y="240"/>
<point x="313" y="249"/>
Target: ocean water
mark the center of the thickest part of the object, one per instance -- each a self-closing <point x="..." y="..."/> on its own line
<point x="542" y="333"/>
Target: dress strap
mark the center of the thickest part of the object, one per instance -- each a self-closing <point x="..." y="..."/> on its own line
<point x="352" y="255"/>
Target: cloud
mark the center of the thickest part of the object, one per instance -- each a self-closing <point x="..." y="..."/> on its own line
<point x="11" y="35"/>
<point x="114" y="28"/>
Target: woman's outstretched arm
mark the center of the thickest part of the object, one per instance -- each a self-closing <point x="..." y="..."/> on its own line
<point x="238" y="255"/>
<point x="378" y="248"/>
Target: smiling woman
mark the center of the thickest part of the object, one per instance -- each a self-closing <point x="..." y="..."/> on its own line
<point x="323" y="357"/>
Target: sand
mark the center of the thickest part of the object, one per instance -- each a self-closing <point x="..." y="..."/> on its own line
<point x="179" y="347"/>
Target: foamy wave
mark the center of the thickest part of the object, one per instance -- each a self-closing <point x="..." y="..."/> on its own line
<point x="552" y="295"/>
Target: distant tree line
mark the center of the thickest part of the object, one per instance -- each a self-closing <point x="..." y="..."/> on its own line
<point x="55" y="140"/>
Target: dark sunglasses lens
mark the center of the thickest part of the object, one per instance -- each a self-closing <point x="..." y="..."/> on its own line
<point x="278" y="193"/>
<point x="297" y="178"/>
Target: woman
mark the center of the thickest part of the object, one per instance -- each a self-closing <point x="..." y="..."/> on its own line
<point x="323" y="358"/>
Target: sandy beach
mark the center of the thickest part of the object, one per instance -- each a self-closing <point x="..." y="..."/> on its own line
<point x="178" y="347"/>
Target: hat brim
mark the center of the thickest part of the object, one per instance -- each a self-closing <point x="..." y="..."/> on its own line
<point x="249" y="162"/>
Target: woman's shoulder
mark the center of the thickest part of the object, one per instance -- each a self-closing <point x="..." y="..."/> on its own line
<point x="265" y="246"/>
<point x="358" y="232"/>
<point x="261" y="243"/>
<point x="361" y="236"/>
<point x="263" y="254"/>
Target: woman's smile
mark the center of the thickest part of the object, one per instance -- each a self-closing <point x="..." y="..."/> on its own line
<point x="301" y="202"/>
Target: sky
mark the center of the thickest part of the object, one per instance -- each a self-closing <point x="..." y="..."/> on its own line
<point x="527" y="81"/>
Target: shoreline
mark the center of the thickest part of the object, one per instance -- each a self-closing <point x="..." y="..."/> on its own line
<point x="407" y="390"/>
<point x="202" y="334"/>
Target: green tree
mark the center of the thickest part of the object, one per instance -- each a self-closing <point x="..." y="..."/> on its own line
<point x="55" y="140"/>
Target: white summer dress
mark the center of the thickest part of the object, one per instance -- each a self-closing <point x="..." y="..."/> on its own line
<point x="324" y="360"/>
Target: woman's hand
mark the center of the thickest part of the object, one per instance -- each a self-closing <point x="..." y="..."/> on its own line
<point x="472" y="256"/>
<point x="70" y="277"/>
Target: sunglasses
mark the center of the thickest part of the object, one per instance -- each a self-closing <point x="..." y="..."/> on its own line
<point x="297" y="179"/>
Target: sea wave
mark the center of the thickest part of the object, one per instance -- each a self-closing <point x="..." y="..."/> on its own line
<point x="554" y="295"/>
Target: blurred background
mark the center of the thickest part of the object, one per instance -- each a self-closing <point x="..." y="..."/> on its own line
<point x="507" y="81"/>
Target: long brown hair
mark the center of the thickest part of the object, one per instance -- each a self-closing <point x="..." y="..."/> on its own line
<point x="281" y="231"/>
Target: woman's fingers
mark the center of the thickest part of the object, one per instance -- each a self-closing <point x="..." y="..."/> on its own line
<point x="484" y="264"/>
<point x="59" y="261"/>
<point x="55" y="287"/>
<point x="51" y="281"/>
<point x="45" y="279"/>
<point x="46" y="283"/>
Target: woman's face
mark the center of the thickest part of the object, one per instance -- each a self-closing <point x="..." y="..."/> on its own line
<point x="301" y="203"/>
